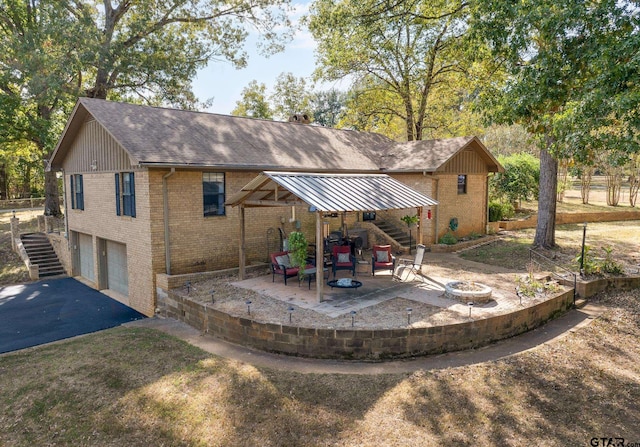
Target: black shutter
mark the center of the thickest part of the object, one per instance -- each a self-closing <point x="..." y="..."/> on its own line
<point x="73" y="193"/>
<point x="133" y="195"/>
<point x="118" y="194"/>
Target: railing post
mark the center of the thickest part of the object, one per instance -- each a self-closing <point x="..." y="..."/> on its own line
<point x="15" y="230"/>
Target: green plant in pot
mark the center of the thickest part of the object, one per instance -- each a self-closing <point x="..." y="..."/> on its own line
<point x="410" y="220"/>
<point x="298" y="250"/>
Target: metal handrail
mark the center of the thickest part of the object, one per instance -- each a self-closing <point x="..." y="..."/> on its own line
<point x="556" y="265"/>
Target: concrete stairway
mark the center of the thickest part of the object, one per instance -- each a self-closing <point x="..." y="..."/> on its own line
<point x="41" y="253"/>
<point x="396" y="233"/>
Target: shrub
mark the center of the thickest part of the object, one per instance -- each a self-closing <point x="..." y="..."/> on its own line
<point x="595" y="266"/>
<point x="520" y="179"/>
<point x="500" y="211"/>
<point x="448" y="239"/>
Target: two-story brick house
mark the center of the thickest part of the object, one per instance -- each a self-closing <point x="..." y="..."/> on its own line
<point x="145" y="188"/>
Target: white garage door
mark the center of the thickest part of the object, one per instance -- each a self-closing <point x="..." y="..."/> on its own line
<point x="117" y="275"/>
<point x="85" y="243"/>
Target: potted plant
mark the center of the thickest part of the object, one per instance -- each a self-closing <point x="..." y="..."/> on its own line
<point x="298" y="250"/>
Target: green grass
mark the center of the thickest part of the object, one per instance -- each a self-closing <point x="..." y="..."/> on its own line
<point x="139" y="387"/>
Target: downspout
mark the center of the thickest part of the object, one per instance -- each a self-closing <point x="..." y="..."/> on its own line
<point x="66" y="210"/>
<point x="165" y="206"/>
<point x="486" y="205"/>
<point x="436" y="211"/>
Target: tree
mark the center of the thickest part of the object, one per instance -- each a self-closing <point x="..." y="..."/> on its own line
<point x="398" y="51"/>
<point x="327" y="107"/>
<point x="508" y="140"/>
<point x="54" y="51"/>
<point x="290" y="95"/>
<point x="254" y="102"/>
<point x="39" y="79"/>
<point x="520" y="179"/>
<point x="555" y="54"/>
<point x="151" y="49"/>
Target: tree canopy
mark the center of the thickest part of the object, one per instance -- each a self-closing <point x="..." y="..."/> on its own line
<point x="559" y="63"/>
<point x="56" y="50"/>
<point x="397" y="53"/>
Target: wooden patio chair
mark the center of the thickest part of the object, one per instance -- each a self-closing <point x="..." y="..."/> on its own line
<point x="382" y="259"/>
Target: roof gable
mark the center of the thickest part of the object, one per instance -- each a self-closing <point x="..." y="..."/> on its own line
<point x="434" y="155"/>
<point x="158" y="136"/>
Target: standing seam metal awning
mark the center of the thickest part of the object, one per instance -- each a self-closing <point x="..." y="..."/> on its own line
<point x="329" y="192"/>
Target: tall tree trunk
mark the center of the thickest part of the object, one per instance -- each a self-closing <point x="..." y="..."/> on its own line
<point x="546" y="228"/>
<point x="585" y="183"/>
<point x="51" y="192"/>
<point x="4" y="193"/>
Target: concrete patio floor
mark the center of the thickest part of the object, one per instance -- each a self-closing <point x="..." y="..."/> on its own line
<point x="439" y="270"/>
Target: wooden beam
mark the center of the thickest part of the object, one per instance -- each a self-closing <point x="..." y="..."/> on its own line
<point x="420" y="223"/>
<point x="274" y="203"/>
<point x="241" y="250"/>
<point x="319" y="257"/>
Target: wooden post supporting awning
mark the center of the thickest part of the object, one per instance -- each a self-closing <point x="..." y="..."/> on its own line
<point x="326" y="193"/>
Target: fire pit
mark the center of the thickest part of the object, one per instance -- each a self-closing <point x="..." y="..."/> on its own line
<point x="468" y="292"/>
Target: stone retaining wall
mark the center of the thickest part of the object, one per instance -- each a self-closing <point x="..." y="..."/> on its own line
<point x="356" y="343"/>
<point x="567" y="218"/>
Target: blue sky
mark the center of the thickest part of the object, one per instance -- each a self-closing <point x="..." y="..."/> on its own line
<point x="224" y="83"/>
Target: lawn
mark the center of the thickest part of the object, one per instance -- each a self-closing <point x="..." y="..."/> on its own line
<point x="139" y="387"/>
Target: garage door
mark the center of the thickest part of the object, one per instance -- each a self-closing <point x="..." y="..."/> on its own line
<point x="85" y="243"/>
<point x="117" y="274"/>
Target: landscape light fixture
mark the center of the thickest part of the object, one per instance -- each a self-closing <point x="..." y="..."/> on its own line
<point x="290" y="309"/>
<point x="409" y="310"/>
<point x="584" y="236"/>
<point x="187" y="285"/>
<point x="212" y="292"/>
<point x="248" y="303"/>
<point x="470" y="307"/>
<point x="353" y="318"/>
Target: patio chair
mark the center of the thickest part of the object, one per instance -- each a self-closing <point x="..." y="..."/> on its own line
<point x="342" y="259"/>
<point x="415" y="265"/>
<point x="382" y="259"/>
<point x="281" y="265"/>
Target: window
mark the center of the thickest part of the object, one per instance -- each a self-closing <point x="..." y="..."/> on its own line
<point x="77" y="192"/>
<point x="213" y="193"/>
<point x="125" y="194"/>
<point x="462" y="184"/>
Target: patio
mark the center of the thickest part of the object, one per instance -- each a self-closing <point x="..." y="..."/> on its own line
<point x="382" y="301"/>
<point x="385" y="318"/>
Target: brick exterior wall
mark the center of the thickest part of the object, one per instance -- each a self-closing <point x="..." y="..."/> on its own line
<point x="99" y="220"/>
<point x="470" y="209"/>
<point x="201" y="243"/>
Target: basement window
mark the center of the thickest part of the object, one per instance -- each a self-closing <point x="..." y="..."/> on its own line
<point x="462" y="184"/>
<point x="213" y="193"/>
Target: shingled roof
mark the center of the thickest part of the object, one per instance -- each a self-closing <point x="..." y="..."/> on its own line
<point x="155" y="136"/>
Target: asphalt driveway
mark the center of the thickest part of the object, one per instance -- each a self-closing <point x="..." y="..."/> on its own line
<point x="46" y="311"/>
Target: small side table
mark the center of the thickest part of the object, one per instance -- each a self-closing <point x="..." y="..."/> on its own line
<point x="310" y="275"/>
<point x="363" y="268"/>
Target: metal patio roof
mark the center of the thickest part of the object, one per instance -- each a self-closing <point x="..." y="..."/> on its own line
<point x="329" y="192"/>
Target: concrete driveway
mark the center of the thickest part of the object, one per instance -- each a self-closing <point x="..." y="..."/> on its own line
<point x="46" y="311"/>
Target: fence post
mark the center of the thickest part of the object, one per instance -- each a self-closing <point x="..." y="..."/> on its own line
<point x="48" y="224"/>
<point x="15" y="230"/>
<point x="40" y="218"/>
